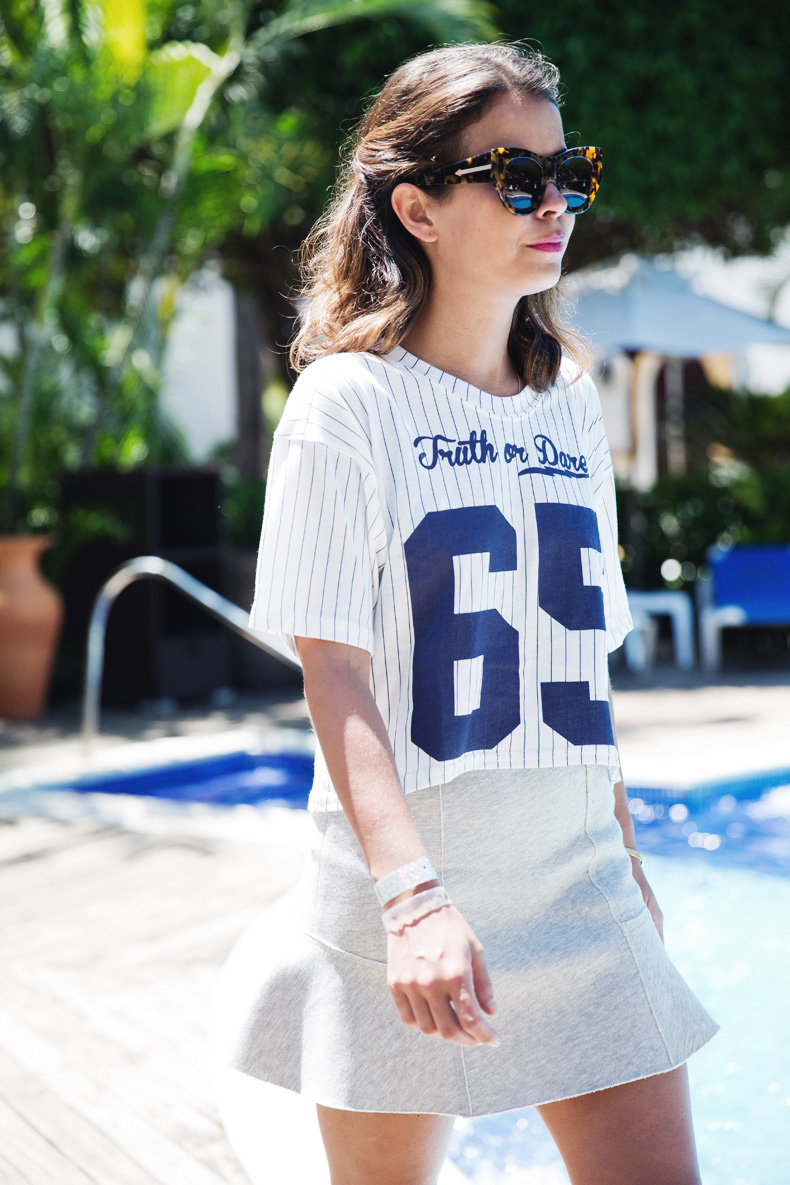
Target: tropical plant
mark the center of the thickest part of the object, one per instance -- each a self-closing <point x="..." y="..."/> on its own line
<point x="131" y="145"/>
<point x="681" y="516"/>
<point x="96" y="134"/>
<point x="737" y="490"/>
<point x="689" y="103"/>
<point x="753" y="428"/>
<point x="687" y="100"/>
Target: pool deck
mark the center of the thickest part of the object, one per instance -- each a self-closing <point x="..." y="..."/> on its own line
<point x="113" y="937"/>
<point x="112" y="942"/>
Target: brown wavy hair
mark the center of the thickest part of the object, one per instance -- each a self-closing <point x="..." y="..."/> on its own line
<point x="365" y="277"/>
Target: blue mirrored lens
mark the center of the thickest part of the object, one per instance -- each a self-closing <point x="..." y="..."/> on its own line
<point x="575" y="181"/>
<point x="523" y="179"/>
<point x="521" y="201"/>
<point x="525" y="185"/>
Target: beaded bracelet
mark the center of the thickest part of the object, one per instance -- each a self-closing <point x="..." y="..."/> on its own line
<point x="408" y="876"/>
<point x="414" y="908"/>
<point x="635" y="855"/>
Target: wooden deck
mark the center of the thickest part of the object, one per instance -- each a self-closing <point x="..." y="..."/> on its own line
<point x="111" y="945"/>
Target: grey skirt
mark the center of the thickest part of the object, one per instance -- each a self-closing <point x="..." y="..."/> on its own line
<point x="534" y="859"/>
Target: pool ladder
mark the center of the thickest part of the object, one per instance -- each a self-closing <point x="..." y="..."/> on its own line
<point x="159" y="569"/>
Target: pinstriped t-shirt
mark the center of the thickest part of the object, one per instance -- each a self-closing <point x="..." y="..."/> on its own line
<point x="468" y="542"/>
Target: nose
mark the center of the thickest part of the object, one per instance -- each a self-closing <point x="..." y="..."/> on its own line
<point x="553" y="202"/>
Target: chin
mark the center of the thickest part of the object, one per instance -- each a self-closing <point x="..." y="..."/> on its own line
<point x="542" y="278"/>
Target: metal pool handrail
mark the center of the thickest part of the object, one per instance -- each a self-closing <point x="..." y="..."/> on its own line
<point x="212" y="602"/>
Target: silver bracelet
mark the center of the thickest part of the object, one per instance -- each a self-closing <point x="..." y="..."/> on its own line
<point x="408" y="876"/>
<point x="414" y="908"/>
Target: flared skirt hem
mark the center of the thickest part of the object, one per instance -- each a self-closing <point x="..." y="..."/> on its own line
<point x="587" y="995"/>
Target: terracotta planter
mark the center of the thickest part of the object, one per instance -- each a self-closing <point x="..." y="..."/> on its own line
<point x="31" y="614"/>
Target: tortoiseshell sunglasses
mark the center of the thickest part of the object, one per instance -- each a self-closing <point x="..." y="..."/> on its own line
<point x="521" y="176"/>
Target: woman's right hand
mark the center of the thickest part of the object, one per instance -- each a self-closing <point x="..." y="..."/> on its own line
<point x="436" y="970"/>
<point x="439" y="981"/>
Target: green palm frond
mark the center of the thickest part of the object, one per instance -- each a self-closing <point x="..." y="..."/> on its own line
<point x="117" y="169"/>
<point x="171" y="77"/>
<point x="445" y="20"/>
<point x="124" y="37"/>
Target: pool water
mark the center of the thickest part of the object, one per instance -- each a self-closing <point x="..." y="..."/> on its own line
<point x="726" y="931"/>
<point x="742" y="823"/>
<point x="718" y="858"/>
<point x="719" y="864"/>
<point x="225" y="779"/>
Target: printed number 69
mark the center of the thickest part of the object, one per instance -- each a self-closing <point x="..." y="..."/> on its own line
<point x="443" y="637"/>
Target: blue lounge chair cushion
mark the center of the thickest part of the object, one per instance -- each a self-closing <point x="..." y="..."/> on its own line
<point x="755" y="577"/>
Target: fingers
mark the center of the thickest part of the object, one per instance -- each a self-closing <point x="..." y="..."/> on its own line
<point x="439" y="980"/>
<point x="449" y="1010"/>
<point x="455" y="1017"/>
<point x="435" y="1018"/>
<point x="482" y="981"/>
<point x="428" y="1009"/>
<point x="405" y="1011"/>
<point x="470" y="1018"/>
<point x="443" y="1019"/>
<point x="422" y="1014"/>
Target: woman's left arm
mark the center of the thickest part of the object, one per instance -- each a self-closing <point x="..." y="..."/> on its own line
<point x="629" y="839"/>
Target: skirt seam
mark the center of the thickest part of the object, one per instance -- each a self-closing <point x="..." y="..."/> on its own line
<point x="341" y="951"/>
<point x="376" y="963"/>
<point x="298" y="1016"/>
<point x="318" y="879"/>
<point x="659" y="1026"/>
<point x="466" y="1083"/>
<point x="622" y="926"/>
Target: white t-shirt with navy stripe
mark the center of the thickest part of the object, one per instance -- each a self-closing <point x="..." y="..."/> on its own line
<point x="468" y="542"/>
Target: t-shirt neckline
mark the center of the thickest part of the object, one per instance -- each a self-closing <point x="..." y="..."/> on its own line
<point x="506" y="406"/>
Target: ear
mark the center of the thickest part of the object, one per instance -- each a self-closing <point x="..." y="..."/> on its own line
<point x="412" y="205"/>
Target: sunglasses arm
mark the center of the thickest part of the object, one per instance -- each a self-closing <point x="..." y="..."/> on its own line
<point x="459" y="170"/>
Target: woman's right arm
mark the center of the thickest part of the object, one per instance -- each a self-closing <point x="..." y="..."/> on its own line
<point x="436" y="970"/>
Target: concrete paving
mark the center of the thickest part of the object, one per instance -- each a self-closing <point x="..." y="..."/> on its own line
<point x="56" y="734"/>
<point x="683" y="726"/>
<point x="116" y="935"/>
<point x="679" y="730"/>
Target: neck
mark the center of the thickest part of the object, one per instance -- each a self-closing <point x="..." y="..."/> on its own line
<point x="466" y="338"/>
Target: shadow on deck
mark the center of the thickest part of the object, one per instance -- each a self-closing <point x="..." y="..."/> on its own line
<point x="112" y="942"/>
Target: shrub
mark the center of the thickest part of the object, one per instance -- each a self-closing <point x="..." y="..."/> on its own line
<point x="679" y="518"/>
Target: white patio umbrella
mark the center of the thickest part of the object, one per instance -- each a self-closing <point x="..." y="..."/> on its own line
<point x="636" y="305"/>
<point x="633" y="304"/>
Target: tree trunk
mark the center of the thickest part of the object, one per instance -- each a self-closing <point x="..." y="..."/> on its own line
<point x="253" y="367"/>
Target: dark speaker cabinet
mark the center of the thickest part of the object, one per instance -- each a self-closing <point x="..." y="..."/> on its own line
<point x="159" y="643"/>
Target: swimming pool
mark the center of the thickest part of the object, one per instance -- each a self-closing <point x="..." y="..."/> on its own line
<point x="223" y="780"/>
<point x="239" y="784"/>
<point x="719" y="861"/>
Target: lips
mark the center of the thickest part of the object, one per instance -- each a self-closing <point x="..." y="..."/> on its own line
<point x="550" y="243"/>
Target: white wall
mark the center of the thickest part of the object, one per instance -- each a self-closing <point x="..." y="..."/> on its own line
<point x="612" y="377"/>
<point x="749" y="284"/>
<point x="746" y="284"/>
<point x="199" y="372"/>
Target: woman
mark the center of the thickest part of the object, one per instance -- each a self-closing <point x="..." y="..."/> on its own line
<point x="439" y="547"/>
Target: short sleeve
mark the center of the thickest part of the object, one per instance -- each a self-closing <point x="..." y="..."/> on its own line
<point x="317" y="572"/>
<point x="599" y="463"/>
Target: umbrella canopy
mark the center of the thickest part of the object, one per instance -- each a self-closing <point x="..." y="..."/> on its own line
<point x="636" y="305"/>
